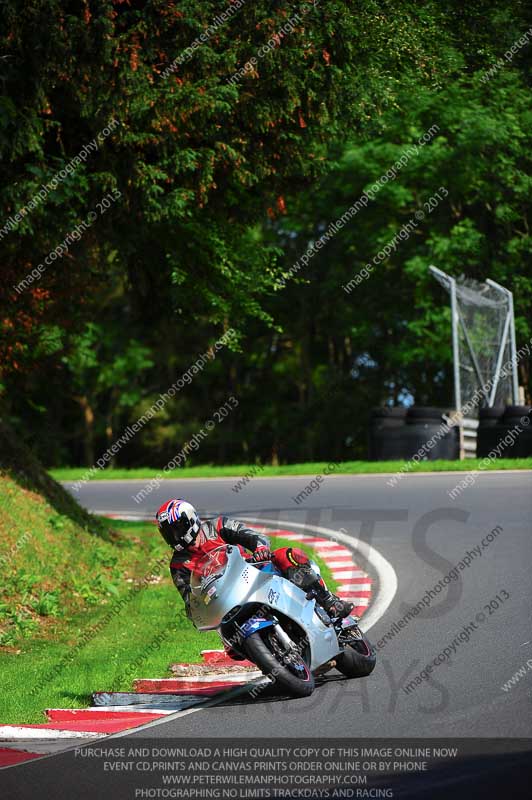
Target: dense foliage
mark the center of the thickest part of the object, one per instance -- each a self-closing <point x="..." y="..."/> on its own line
<point x="218" y="166"/>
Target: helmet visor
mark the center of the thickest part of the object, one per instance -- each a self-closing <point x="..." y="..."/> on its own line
<point x="184" y="532"/>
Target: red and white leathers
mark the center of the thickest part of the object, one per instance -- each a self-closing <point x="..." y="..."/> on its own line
<point x="293" y="563"/>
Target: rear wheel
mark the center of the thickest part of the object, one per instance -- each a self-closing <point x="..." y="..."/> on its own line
<point x="285" y="668"/>
<point x="359" y="657"/>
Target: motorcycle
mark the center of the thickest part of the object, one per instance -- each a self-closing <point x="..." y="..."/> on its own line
<point x="265" y="618"/>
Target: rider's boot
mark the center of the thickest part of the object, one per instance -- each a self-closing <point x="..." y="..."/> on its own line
<point x="333" y="605"/>
<point x="305" y="577"/>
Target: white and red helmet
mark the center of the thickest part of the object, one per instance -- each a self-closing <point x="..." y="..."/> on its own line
<point x="178" y="523"/>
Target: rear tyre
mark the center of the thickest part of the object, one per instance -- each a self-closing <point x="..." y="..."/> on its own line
<point x="359" y="657"/>
<point x="286" y="670"/>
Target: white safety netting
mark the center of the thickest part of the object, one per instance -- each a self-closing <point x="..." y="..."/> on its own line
<point x="482" y="331"/>
<point x="482" y="326"/>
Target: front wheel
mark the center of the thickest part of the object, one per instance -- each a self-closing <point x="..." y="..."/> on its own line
<point x="288" y="670"/>
<point x="359" y="657"/>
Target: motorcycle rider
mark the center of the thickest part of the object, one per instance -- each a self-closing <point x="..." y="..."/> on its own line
<point x="191" y="539"/>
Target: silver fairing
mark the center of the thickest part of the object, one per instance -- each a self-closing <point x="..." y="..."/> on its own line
<point x="240" y="583"/>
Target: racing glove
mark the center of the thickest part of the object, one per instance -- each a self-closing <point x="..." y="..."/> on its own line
<point x="262" y="553"/>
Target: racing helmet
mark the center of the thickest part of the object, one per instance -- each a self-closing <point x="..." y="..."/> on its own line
<point x="178" y="523"/>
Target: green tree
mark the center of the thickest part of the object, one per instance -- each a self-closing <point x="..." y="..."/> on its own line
<point x="105" y="374"/>
<point x="202" y="169"/>
<point x="388" y="340"/>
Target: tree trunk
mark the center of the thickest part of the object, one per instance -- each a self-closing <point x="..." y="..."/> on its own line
<point x="109" y="436"/>
<point x="88" y="429"/>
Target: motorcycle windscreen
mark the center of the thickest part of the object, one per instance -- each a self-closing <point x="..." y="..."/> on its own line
<point x="211" y="567"/>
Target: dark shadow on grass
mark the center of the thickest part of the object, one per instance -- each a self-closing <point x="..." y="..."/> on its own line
<point x="19" y="463"/>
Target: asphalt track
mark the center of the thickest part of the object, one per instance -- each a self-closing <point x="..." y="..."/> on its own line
<point x="417" y="527"/>
<point x="423" y="533"/>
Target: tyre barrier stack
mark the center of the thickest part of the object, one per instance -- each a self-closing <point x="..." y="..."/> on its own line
<point x="505" y="432"/>
<point x="400" y="433"/>
<point x="385" y="440"/>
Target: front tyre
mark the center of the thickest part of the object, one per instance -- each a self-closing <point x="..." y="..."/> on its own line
<point x="287" y="670"/>
<point x="359" y="657"/>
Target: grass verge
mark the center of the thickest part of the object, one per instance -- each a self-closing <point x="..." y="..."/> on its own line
<point x="240" y="471"/>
